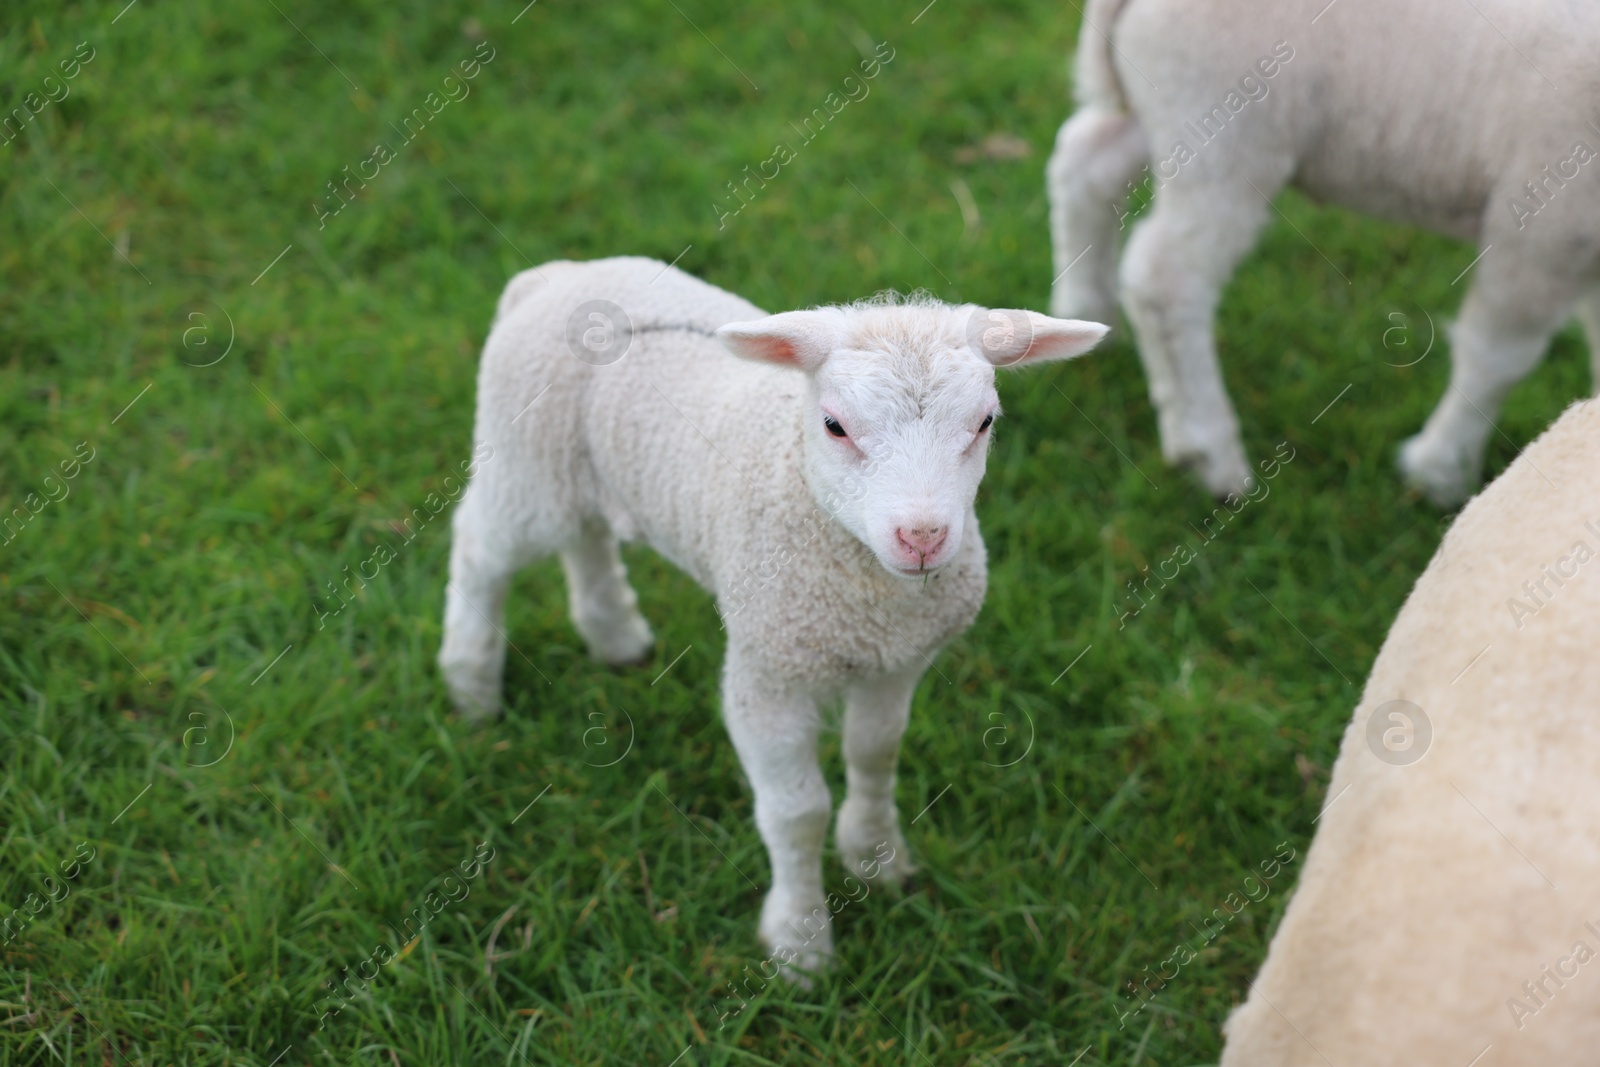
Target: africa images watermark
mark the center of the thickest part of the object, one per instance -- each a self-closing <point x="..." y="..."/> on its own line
<point x="455" y="89"/>
<point x="408" y="933"/>
<point x="432" y="505"/>
<point x="1182" y="555"/>
<point x="1544" y="189"/>
<point x="1212" y="123"/>
<point x="34" y="905"/>
<point x="1538" y="993"/>
<point x="32" y="504"/>
<point x="1222" y="916"/>
<point x="1560" y="571"/>
<point x="32" y="103"/>
<point x="855" y="89"/>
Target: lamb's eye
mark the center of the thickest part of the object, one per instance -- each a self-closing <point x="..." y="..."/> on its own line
<point x="831" y="424"/>
<point x="988" y="420"/>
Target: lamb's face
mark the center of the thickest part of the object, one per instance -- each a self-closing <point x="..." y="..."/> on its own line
<point x="896" y="441"/>
<point x="900" y="411"/>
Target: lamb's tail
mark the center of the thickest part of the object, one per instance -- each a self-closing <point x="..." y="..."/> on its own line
<point x="525" y="283"/>
<point x="1094" y="72"/>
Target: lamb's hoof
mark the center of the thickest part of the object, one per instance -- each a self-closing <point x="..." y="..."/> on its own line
<point x="1443" y="475"/>
<point x="1227" y="485"/>
<point x="631" y="664"/>
<point x="803" y="967"/>
<point x="898" y="872"/>
<point x="476" y="707"/>
<point x="475" y="694"/>
<point x="624" y="643"/>
<point x="1224" y="471"/>
<point x="882" y="859"/>
<point x="799" y="938"/>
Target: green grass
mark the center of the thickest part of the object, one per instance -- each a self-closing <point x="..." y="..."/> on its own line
<point x="146" y="615"/>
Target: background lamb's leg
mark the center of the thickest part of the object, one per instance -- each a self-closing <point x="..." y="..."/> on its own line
<point x="774" y="730"/>
<point x="1098" y="154"/>
<point x="875" y="717"/>
<point x="1520" y="296"/>
<point x="1589" y="316"/>
<point x="604" y="607"/>
<point x="482" y="561"/>
<point x="1176" y="263"/>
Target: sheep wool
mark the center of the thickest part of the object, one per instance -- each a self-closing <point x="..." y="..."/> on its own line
<point x="1475" y="120"/>
<point x="821" y="487"/>
<point x="1448" y="912"/>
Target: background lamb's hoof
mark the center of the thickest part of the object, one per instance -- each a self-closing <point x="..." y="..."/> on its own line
<point x="624" y="643"/>
<point x="1444" y="476"/>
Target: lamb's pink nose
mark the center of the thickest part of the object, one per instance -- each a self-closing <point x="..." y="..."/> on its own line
<point x="922" y="541"/>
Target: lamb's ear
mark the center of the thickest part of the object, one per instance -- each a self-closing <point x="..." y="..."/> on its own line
<point x="800" y="339"/>
<point x="1010" y="337"/>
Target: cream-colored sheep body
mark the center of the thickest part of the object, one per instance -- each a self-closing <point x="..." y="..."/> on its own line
<point x="1451" y="904"/>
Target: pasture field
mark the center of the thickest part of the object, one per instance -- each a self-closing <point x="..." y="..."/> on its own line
<point x="268" y="782"/>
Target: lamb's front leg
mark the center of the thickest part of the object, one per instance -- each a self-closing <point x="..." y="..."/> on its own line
<point x="774" y="730"/>
<point x="875" y="717"/>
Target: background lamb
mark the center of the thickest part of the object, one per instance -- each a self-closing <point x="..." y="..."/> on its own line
<point x="877" y="413"/>
<point x="1448" y="906"/>
<point x="1473" y="120"/>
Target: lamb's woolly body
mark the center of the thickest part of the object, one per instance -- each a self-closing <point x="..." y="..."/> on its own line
<point x="667" y="445"/>
<point x="826" y="503"/>
<point x="1424" y="904"/>
<point x="1414" y="110"/>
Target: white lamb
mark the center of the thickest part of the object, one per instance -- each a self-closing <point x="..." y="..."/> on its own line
<point x="821" y="488"/>
<point x="1474" y="118"/>
<point x="1449" y="907"/>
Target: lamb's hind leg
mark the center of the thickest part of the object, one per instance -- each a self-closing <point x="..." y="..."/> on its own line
<point x="1090" y="180"/>
<point x="604" y="607"/>
<point x="483" y="557"/>
<point x="1178" y="260"/>
<point x="1519" y="298"/>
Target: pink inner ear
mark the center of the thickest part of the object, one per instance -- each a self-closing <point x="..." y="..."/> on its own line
<point x="1053" y="344"/>
<point x="1040" y="346"/>
<point x="777" y="350"/>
